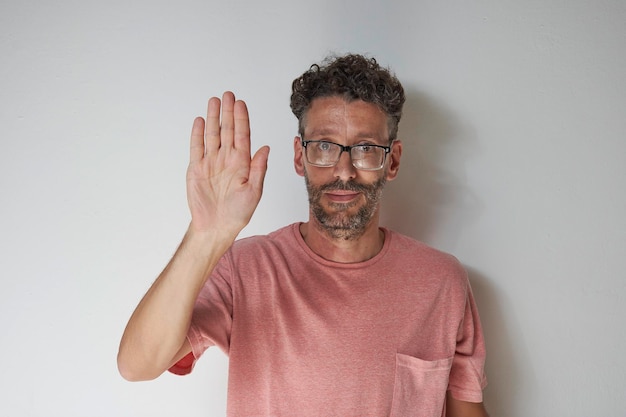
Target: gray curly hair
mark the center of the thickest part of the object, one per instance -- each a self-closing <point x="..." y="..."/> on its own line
<point x="353" y="77"/>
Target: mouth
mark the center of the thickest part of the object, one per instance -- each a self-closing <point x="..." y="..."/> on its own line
<point x="341" y="196"/>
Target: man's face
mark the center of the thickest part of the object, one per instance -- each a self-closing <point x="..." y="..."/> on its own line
<point x="344" y="200"/>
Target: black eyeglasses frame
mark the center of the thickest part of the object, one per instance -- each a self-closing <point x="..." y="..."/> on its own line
<point x="347" y="148"/>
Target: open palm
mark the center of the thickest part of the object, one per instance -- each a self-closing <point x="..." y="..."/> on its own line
<point x="224" y="183"/>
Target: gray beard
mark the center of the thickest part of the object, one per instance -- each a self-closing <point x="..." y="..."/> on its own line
<point x="338" y="224"/>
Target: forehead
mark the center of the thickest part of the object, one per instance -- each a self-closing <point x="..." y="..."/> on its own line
<point x="334" y="116"/>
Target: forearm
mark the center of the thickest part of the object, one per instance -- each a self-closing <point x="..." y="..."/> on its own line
<point x="158" y="327"/>
<point x="457" y="408"/>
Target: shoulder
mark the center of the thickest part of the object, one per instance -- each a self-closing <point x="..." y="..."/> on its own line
<point x="280" y="235"/>
<point x="401" y="245"/>
<point x="413" y="255"/>
<point x="280" y="241"/>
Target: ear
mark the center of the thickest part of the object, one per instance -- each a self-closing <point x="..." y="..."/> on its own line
<point x="393" y="159"/>
<point x="298" y="156"/>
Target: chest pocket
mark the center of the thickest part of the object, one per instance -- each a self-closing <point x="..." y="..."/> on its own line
<point x="420" y="387"/>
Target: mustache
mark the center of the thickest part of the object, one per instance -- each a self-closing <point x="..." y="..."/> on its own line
<point x="346" y="186"/>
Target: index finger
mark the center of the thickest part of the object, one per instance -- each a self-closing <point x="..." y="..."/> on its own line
<point x="242" y="126"/>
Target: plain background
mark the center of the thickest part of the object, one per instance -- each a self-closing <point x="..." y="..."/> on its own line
<point x="514" y="150"/>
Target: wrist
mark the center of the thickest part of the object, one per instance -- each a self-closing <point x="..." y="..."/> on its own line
<point x="208" y="242"/>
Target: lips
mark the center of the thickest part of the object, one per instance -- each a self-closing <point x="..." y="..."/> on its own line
<point x="338" y="196"/>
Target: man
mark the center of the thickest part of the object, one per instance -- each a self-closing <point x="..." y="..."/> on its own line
<point x="331" y="317"/>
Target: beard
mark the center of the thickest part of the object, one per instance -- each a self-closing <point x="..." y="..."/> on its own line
<point x="337" y="222"/>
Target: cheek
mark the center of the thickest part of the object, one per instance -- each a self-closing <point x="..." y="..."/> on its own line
<point x="372" y="177"/>
<point x="316" y="175"/>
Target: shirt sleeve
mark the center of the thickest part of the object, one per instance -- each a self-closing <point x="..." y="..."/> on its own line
<point x="467" y="376"/>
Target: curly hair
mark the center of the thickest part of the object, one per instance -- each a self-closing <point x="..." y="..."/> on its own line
<point x="353" y="77"/>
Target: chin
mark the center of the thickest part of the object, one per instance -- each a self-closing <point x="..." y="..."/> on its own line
<point x="342" y="225"/>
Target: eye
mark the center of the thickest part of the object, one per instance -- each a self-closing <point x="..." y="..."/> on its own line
<point x="324" y="146"/>
<point x="367" y="148"/>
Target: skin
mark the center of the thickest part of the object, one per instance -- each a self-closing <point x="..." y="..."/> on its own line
<point x="224" y="186"/>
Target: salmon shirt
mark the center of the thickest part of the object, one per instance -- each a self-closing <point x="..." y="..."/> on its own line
<point x="308" y="337"/>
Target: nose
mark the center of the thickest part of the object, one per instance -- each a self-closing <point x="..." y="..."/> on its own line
<point x="344" y="169"/>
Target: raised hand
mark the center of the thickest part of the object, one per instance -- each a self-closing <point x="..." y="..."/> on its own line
<point x="224" y="184"/>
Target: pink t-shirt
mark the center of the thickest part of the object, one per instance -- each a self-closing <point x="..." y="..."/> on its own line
<point x="309" y="337"/>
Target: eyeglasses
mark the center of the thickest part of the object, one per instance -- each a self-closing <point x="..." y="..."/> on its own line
<point x="367" y="157"/>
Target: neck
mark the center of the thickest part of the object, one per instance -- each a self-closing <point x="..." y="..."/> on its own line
<point x="359" y="249"/>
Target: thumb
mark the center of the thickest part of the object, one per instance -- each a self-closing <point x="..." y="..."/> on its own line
<point x="258" y="168"/>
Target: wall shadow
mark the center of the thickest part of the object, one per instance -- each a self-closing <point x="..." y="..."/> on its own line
<point x="427" y="200"/>
<point x="432" y="202"/>
<point x="503" y="359"/>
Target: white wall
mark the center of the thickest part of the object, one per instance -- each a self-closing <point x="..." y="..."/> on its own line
<point x="514" y="137"/>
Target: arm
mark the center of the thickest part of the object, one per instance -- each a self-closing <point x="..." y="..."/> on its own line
<point x="457" y="408"/>
<point x="224" y="186"/>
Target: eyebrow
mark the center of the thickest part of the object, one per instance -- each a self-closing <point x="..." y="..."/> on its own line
<point x="322" y="132"/>
<point x="331" y="132"/>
